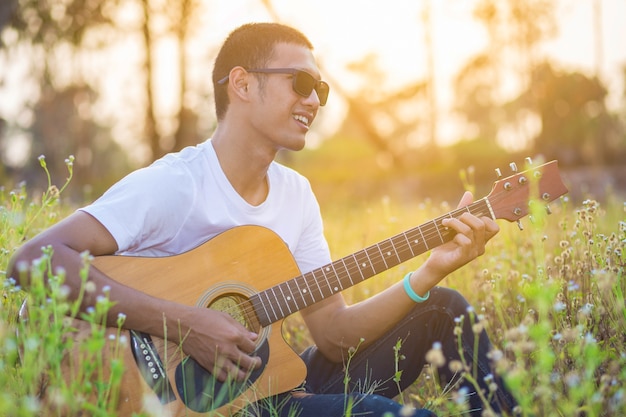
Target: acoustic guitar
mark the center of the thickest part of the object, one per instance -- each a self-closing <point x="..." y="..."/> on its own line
<point x="249" y="273"/>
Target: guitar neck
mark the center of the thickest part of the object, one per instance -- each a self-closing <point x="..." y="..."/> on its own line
<point x="279" y="301"/>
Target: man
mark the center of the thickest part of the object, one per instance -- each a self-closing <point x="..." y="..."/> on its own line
<point x="267" y="94"/>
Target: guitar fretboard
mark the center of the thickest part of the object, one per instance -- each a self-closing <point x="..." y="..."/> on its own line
<point x="280" y="301"/>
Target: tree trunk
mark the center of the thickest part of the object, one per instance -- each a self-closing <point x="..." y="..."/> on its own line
<point x="150" y="128"/>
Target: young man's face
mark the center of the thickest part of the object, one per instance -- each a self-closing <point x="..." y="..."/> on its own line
<point x="280" y="114"/>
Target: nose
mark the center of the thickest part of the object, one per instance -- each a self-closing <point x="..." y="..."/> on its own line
<point x="313" y="99"/>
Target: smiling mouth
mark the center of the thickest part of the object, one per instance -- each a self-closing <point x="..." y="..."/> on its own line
<point x="302" y="119"/>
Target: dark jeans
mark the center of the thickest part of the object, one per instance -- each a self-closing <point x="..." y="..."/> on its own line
<point x="430" y="322"/>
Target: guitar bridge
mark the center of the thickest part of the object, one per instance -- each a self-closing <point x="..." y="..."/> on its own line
<point x="150" y="366"/>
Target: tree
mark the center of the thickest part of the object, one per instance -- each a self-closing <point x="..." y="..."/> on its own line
<point x="477" y="98"/>
<point x="161" y="20"/>
<point x="577" y="128"/>
<point x="515" y="29"/>
<point x="392" y="121"/>
<point x="58" y="94"/>
<point x="62" y="37"/>
<point x="184" y="20"/>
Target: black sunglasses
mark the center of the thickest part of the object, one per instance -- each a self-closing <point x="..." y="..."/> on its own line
<point x="303" y="82"/>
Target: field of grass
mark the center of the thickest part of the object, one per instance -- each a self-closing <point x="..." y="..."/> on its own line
<point x="551" y="297"/>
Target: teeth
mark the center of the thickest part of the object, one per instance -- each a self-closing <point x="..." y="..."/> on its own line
<point x="301" y="119"/>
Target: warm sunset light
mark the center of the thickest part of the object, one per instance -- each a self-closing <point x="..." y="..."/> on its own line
<point x="431" y="54"/>
<point x="323" y="208"/>
<point x="397" y="32"/>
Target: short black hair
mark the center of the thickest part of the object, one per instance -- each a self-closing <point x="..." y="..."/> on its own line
<point x="250" y="46"/>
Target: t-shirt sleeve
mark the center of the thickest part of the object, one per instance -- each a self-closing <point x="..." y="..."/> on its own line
<point x="145" y="208"/>
<point x="312" y="250"/>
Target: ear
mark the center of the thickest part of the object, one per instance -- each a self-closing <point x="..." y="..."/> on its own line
<point x="238" y="82"/>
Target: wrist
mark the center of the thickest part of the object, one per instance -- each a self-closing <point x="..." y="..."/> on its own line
<point x="430" y="274"/>
<point x="410" y="292"/>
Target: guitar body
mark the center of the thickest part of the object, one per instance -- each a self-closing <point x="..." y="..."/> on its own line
<point x="222" y="273"/>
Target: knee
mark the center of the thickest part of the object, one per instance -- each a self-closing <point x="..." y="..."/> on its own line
<point x="451" y="300"/>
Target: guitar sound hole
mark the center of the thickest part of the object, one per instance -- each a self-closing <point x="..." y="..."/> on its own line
<point x="238" y="307"/>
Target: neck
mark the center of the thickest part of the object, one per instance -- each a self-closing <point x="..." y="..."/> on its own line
<point x="244" y="164"/>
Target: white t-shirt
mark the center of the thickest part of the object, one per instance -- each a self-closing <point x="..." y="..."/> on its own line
<point x="184" y="199"/>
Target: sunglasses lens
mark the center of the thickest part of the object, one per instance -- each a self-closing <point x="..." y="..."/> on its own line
<point x="304" y="83"/>
<point x="322" y="92"/>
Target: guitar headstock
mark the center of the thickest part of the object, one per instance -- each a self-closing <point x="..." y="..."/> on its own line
<point x="510" y="197"/>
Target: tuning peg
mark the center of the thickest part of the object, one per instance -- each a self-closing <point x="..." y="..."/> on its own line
<point x="548" y="209"/>
<point x="519" y="224"/>
<point x="529" y="161"/>
<point x="498" y="173"/>
<point x="513" y="166"/>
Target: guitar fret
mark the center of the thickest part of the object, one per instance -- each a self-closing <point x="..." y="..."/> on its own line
<point x="322" y="283"/>
<point x="277" y="300"/>
<point x="403" y="248"/>
<point x="438" y="232"/>
<point x="369" y="260"/>
<point x="409" y="245"/>
<point x="317" y="282"/>
<point x="331" y="288"/>
<point x="282" y="298"/>
<point x="364" y="265"/>
<point x="259" y="309"/>
<point x="271" y="304"/>
<point x="305" y="291"/>
<point x="345" y="272"/>
<point x="285" y="298"/>
<point x="419" y="229"/>
<point x="290" y="299"/>
<point x="297" y="295"/>
<point x="395" y="250"/>
<point x="336" y="277"/>
<point x="382" y="256"/>
<point x="419" y="243"/>
<point x="357" y="266"/>
<point x="353" y="266"/>
<point x="489" y="208"/>
<point x="386" y="253"/>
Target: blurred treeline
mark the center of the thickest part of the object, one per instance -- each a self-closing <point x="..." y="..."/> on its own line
<point x="58" y="60"/>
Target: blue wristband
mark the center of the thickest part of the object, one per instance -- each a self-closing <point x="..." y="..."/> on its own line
<point x="412" y="294"/>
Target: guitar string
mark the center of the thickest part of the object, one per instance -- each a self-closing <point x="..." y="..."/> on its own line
<point x="427" y="231"/>
<point x="375" y="257"/>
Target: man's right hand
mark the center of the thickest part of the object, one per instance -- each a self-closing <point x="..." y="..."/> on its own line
<point x="219" y="343"/>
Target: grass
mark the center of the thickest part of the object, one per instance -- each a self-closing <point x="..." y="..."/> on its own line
<point x="551" y="298"/>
